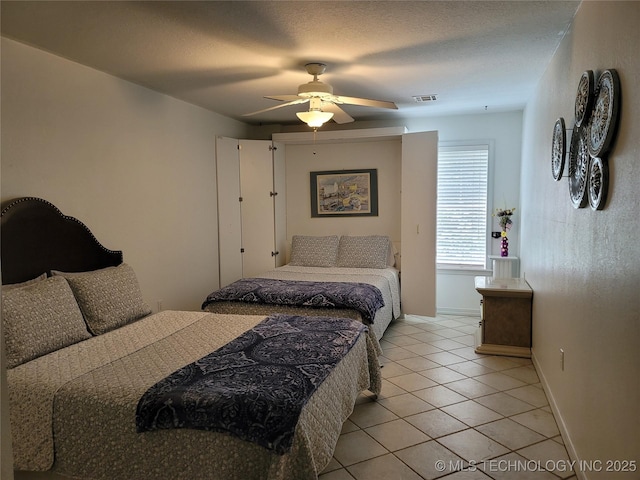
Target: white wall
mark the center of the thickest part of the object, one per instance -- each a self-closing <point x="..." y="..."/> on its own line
<point x="383" y="155"/>
<point x="137" y="167"/>
<point x="584" y="266"/>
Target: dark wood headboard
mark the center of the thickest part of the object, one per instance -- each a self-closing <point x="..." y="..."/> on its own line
<point x="36" y="238"/>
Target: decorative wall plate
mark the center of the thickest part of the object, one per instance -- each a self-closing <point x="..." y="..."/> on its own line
<point x="604" y="119"/>
<point x="598" y="182"/>
<point x="578" y="167"/>
<point x="584" y="98"/>
<point x="558" y="149"/>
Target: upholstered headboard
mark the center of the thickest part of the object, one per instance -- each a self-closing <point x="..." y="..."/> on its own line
<point x="36" y="238"/>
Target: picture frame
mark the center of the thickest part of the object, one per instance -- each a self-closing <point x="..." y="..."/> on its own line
<point x="344" y="193"/>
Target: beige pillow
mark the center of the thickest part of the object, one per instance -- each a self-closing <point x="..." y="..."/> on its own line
<point x="370" y="251"/>
<point x="309" y="251"/>
<point x="40" y="318"/>
<point x="108" y="298"/>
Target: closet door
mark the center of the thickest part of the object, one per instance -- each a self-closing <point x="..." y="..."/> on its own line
<point x="257" y="207"/>
<point x="229" y="220"/>
<point x="418" y="218"/>
<point x="280" y="203"/>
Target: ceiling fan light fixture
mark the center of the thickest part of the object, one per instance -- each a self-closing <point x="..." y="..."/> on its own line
<point x="315" y="89"/>
<point x="315" y="118"/>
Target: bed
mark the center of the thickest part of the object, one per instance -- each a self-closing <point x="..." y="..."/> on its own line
<point x="316" y="279"/>
<point x="84" y="353"/>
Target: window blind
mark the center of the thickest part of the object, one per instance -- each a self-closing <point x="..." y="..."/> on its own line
<point x="461" y="236"/>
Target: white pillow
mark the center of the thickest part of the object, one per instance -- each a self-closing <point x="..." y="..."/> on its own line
<point x="309" y="251"/>
<point x="40" y="318"/>
<point x="108" y="298"/>
<point x="370" y="251"/>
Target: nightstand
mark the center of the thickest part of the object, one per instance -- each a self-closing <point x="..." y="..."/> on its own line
<point x="506" y="316"/>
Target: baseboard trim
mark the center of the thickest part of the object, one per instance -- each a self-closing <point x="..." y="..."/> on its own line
<point x="566" y="438"/>
<point x="508" y="350"/>
<point x="463" y="312"/>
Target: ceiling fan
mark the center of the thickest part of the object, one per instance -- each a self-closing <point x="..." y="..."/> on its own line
<point x="323" y="104"/>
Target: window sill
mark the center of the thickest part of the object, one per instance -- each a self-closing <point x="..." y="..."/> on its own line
<point x="462" y="270"/>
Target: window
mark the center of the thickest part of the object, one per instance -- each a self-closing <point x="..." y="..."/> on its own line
<point x="462" y="206"/>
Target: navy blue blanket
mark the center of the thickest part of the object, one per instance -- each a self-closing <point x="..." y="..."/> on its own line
<point x="362" y="297"/>
<point x="255" y="386"/>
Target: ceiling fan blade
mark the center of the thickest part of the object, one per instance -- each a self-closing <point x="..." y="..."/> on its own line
<point x="284" y="98"/>
<point x="339" y="115"/>
<point x="365" y="102"/>
<point x="294" y="102"/>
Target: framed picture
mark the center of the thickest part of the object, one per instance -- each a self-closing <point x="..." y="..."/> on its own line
<point x="344" y="193"/>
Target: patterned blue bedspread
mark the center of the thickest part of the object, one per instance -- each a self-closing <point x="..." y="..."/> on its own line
<point x="255" y="386"/>
<point x="362" y="297"/>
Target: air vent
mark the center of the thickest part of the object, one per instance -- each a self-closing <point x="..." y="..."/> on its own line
<point x="425" y="98"/>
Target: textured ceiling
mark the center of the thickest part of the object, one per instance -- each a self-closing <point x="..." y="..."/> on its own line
<point x="225" y="56"/>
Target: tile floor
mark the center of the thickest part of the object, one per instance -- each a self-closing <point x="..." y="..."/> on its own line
<point x="447" y="412"/>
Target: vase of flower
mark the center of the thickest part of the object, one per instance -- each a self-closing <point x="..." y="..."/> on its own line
<point x="504" y="219"/>
<point x="504" y="244"/>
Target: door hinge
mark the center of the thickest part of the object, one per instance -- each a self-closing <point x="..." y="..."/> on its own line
<point x="242" y="250"/>
<point x="239" y="199"/>
<point x="271" y="148"/>
<point x="273" y="254"/>
<point x="273" y="194"/>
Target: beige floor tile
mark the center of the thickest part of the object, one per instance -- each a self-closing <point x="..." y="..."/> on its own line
<point x="510" y="434"/>
<point x="405" y="404"/>
<point x="500" y="381"/>
<point x="436" y="423"/>
<point x="471" y="413"/>
<point x="424" y="459"/>
<point x="452" y="323"/>
<point x="504" y="404"/>
<point x="390" y="390"/>
<point x="349" y="426"/>
<point x="471" y="445"/>
<point x="527" y="374"/>
<point x="468" y="352"/>
<point x="551" y="456"/>
<point x="470" y="474"/>
<point x="469" y="329"/>
<point x="439" y="396"/>
<point x="449" y="332"/>
<point x="471" y="388"/>
<point x="530" y="394"/>
<point x="427" y="337"/>
<point x="539" y="421"/>
<point x="445" y="358"/>
<point x="497" y="363"/>
<point x="402" y="340"/>
<point x="341" y="474"/>
<point x="356" y="447"/>
<point x="469" y="368"/>
<point x="397" y="353"/>
<point x="423" y="349"/>
<point x="412" y="382"/>
<point x="443" y="375"/>
<point x="513" y="466"/>
<point x="417" y="364"/>
<point x="369" y="414"/>
<point x="435" y="387"/>
<point x="383" y="468"/>
<point x="406" y="329"/>
<point x="397" y="434"/>
<point x="430" y="327"/>
<point x="394" y="369"/>
<point x="466" y="339"/>
<point x="447" y="344"/>
<point x="333" y="465"/>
